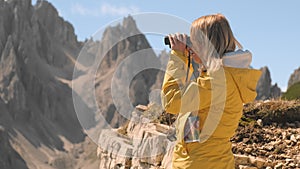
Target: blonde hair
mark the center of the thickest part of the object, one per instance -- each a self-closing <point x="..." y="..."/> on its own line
<point x="212" y="37"/>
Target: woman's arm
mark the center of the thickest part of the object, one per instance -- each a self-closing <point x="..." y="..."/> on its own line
<point x="177" y="96"/>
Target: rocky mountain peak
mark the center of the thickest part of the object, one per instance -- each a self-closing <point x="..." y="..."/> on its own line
<point x="123" y="50"/>
<point x="56" y="26"/>
<point x="263" y="86"/>
<point x="47" y="7"/>
<point x="265" y="89"/>
<point x="126" y="29"/>
<point x="294" y="78"/>
<point x="37" y="48"/>
<point x="130" y="26"/>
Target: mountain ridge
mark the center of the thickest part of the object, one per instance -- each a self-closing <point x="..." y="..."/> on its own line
<point x="39" y="126"/>
<point x="35" y="105"/>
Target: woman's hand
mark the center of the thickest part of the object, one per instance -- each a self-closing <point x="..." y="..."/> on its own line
<point x="178" y="42"/>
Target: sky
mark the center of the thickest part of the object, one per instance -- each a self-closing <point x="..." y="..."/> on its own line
<point x="269" y="29"/>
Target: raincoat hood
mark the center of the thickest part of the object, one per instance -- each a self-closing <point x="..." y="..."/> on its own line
<point x="237" y="64"/>
<point x="237" y="59"/>
<point x="246" y="81"/>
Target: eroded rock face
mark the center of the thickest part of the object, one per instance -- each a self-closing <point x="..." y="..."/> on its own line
<point x="263" y="85"/>
<point x="125" y="56"/>
<point x="275" y="91"/>
<point x="37" y="49"/>
<point x="29" y="71"/>
<point x="294" y="78"/>
<point x="37" y="53"/>
<point x="140" y="145"/>
<point x="265" y="90"/>
<point x="256" y="144"/>
<point x="10" y="158"/>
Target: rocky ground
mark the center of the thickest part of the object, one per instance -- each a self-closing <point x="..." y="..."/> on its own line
<point x="268" y="136"/>
<point x="267" y="147"/>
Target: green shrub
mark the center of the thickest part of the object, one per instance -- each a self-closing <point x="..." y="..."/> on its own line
<point x="293" y="92"/>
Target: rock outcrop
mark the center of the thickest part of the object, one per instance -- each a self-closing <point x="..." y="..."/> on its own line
<point x="265" y="89"/>
<point x="144" y="142"/>
<point x="123" y="56"/>
<point x="294" y="78"/>
<point x="9" y="158"/>
<point x="37" y="53"/>
<point x="141" y="143"/>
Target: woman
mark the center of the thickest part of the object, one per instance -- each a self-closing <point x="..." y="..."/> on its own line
<point x="216" y="97"/>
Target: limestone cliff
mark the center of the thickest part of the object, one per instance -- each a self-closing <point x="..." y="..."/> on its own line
<point x="265" y="89"/>
<point x="121" y="57"/>
<point x="37" y="53"/>
<point x="294" y="78"/>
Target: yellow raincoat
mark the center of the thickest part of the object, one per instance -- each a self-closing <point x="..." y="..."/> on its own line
<point x="218" y="101"/>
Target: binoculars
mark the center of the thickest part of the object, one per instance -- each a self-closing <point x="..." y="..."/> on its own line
<point x="167" y="41"/>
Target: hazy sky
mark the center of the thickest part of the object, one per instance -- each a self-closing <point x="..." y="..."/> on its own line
<point x="270" y="29"/>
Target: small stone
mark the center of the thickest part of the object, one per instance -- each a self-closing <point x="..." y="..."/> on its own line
<point x="288" y="160"/>
<point x="298" y="137"/>
<point x="259" y="122"/>
<point x="288" y="142"/>
<point x="294" y="152"/>
<point x="141" y="107"/>
<point x="241" y="159"/>
<point x="293" y="138"/>
<point x="297" y="159"/>
<point x="292" y="165"/>
<point x="260" y="162"/>
<point x="248" y="150"/>
<point x="269" y="147"/>
<point x="252" y="160"/>
<point x="262" y="152"/>
<point x="278" y="166"/>
<point x="246" y="167"/>
<point x="284" y="156"/>
<point x="284" y="135"/>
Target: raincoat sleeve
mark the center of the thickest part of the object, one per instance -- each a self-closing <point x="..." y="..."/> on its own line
<point x="178" y="96"/>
